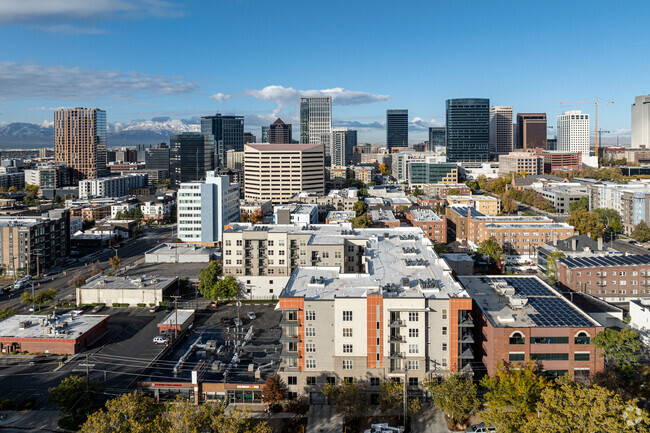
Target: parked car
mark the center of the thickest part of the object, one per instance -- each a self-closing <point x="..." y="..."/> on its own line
<point x="22" y="283"/>
<point x="154" y="309"/>
<point x="237" y="321"/>
<point x="480" y="428"/>
<point x="226" y="321"/>
<point x="37" y="359"/>
<point x="97" y="308"/>
<point x="159" y="339"/>
<point x="251" y="315"/>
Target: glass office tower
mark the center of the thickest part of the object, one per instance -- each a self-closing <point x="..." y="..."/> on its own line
<point x="397" y="128"/>
<point x="468" y="130"/>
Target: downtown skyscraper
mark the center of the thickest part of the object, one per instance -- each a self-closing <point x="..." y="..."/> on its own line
<point x="279" y="132"/>
<point x="397" y="128"/>
<point x="641" y="121"/>
<point x="343" y="143"/>
<point x="531" y="131"/>
<point x="316" y="122"/>
<point x="468" y="130"/>
<point x="573" y="133"/>
<point x="80" y="141"/>
<point x="501" y="130"/>
<point x="228" y="133"/>
<point x="437" y="137"/>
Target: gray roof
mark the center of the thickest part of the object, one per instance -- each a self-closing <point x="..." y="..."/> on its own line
<point x="582" y="242"/>
<point x="606" y="261"/>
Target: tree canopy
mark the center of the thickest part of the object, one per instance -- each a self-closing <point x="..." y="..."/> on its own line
<point x="274" y="390"/>
<point x="74" y="397"/>
<point x="580" y="204"/>
<point x="610" y="219"/>
<point x="349" y="398"/>
<point x="551" y="265"/>
<point x="456" y="396"/>
<point x="360" y="207"/>
<point x="587" y="223"/>
<point x="491" y="248"/>
<point x="620" y="348"/>
<point x="641" y="232"/>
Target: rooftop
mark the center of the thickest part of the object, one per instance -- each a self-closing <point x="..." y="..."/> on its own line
<point x="296" y="208"/>
<point x="51" y="326"/>
<point x="265" y="147"/>
<point x="581" y="242"/>
<point x="341" y="215"/>
<point x="531" y="226"/>
<point x="606" y="261"/>
<point x="400" y="262"/>
<point x="424" y="214"/>
<point x="176" y="317"/>
<point x="21" y="221"/>
<point x="129" y="283"/>
<point x="464" y="211"/>
<point x="523" y="302"/>
<point x="382" y="215"/>
<point x="181" y="249"/>
<point x="472" y="197"/>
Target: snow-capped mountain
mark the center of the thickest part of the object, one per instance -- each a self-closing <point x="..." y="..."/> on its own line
<point x="156" y="130"/>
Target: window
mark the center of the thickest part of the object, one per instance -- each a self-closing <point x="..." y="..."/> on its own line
<point x="414" y="365"/>
<point x="517" y="338"/>
<point x="311" y="380"/>
<point x="444" y="330"/>
<point x="581" y="356"/>
<point x="444" y="347"/>
<point x="516" y="356"/>
<point x="444" y="362"/>
<point x="310" y="315"/>
<point x="374" y="381"/>
<point x="310" y="363"/>
<point x="348" y="379"/>
<point x="310" y="332"/>
<point x="581" y="338"/>
<point x="444" y="314"/>
<point x="239" y="242"/>
<point x="549" y="340"/>
<point x="330" y="380"/>
<point x="347" y="348"/>
<point x="413" y="316"/>
<point x="549" y="356"/>
<point x="292" y="380"/>
<point x="347" y="364"/>
<point x="584" y="372"/>
<point x="413" y="348"/>
<point x="310" y="347"/>
<point x="413" y="381"/>
<point x="347" y="316"/>
<point x="347" y="332"/>
<point x="414" y="332"/>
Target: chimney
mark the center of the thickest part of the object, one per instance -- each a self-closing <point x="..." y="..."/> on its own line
<point x="554" y="239"/>
<point x="574" y="244"/>
<point x="600" y="243"/>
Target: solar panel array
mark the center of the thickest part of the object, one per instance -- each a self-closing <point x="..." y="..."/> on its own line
<point x="550" y="309"/>
<point x="600" y="261"/>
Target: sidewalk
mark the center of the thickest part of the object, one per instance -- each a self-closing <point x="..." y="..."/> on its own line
<point x="324" y="419"/>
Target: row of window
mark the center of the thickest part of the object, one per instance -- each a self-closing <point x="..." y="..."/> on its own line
<point x="374" y="381"/>
<point x="518" y="338"/>
<point x="521" y="356"/>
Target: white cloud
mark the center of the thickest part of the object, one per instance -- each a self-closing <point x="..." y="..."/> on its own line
<point x="31" y="80"/>
<point x="288" y="96"/>
<point x="420" y="124"/>
<point x="220" y="97"/>
<point x="621" y="131"/>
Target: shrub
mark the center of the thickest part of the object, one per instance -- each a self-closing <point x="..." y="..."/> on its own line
<point x="299" y="406"/>
<point x="141" y="305"/>
<point x="26" y="404"/>
<point x="6" y="404"/>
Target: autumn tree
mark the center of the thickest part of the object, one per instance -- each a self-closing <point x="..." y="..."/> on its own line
<point x="349" y="398"/>
<point x="491" y="248"/>
<point x="610" y="219"/>
<point x="508" y="204"/>
<point x="456" y="396"/>
<point x="641" y="232"/>
<point x="512" y="394"/>
<point x="274" y="390"/>
<point x="32" y="189"/>
<point x="74" y="397"/>
<point x="620" y="348"/>
<point x="257" y="216"/>
<point x="128" y="413"/>
<point x="551" y="265"/>
<point x="244" y="216"/>
<point x="95" y="269"/>
<point x="580" y="204"/>
<point x="587" y="223"/>
<point x="115" y="262"/>
<point x="78" y="280"/>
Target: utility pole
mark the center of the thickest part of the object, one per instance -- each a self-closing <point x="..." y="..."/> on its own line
<point x="87" y="374"/>
<point x="406" y="375"/>
<point x="176" y="298"/>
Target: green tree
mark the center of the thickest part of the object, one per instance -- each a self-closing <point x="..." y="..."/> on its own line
<point x="274" y="390"/>
<point x="33" y="189"/>
<point x="75" y="396"/>
<point x="620" y="348"/>
<point x="456" y="396"/>
<point x="610" y="219"/>
<point x="587" y="223"/>
<point x="118" y="215"/>
<point x="360" y="208"/>
<point x="7" y="312"/>
<point x="208" y="277"/>
<point x="439" y="247"/>
<point x="491" y="248"/>
<point x="581" y="204"/>
<point x="417" y="191"/>
<point x="391" y="396"/>
<point x="512" y="394"/>
<point x="125" y="414"/>
<point x="551" y="265"/>
<point x="349" y="398"/>
<point x="569" y="407"/>
<point x="453" y="191"/>
<point x="44" y="297"/>
<point x="137" y="214"/>
<point x="362" y="221"/>
<point x="12" y="189"/>
<point x="641" y="232"/>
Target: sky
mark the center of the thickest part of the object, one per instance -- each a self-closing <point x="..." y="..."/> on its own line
<point x="155" y="59"/>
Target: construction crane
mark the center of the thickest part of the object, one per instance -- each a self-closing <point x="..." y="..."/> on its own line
<point x="596" y="102"/>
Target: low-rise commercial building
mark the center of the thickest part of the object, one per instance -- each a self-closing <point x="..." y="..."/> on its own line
<point x="340" y="216"/>
<point x="139" y="291"/>
<point x="523" y="319"/>
<point x="433" y="226"/>
<point x="518" y="162"/>
<point x="486" y="205"/>
<point x="116" y="186"/>
<point x="380" y="217"/>
<point x="176" y="252"/>
<point x="561" y="195"/>
<point x="295" y="214"/>
<point x="176" y="321"/>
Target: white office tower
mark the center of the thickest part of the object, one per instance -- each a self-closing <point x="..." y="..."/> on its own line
<point x="338" y="146"/>
<point x="204" y="207"/>
<point x="501" y="130"/>
<point x="316" y="121"/>
<point x="641" y="121"/>
<point x="573" y="133"/>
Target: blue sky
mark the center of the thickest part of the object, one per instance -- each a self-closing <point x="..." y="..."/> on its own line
<point x="143" y="59"/>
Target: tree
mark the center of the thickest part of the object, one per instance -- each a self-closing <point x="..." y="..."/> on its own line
<point x="417" y="192"/>
<point x="569" y="407"/>
<point x="115" y="262"/>
<point x="360" y="207"/>
<point x="551" y="265"/>
<point x="391" y="396"/>
<point x="95" y="269"/>
<point x="384" y="169"/>
<point x="244" y="216"/>
<point x="512" y="394"/>
<point x="257" y="216"/>
<point x="587" y="223"/>
<point x="581" y="204"/>
<point x="78" y="280"/>
<point x="508" y="205"/>
<point x="453" y="191"/>
<point x="137" y="214"/>
<point x="75" y="396"/>
<point x="439" y="247"/>
<point x="118" y="215"/>
<point x="127" y="413"/>
<point x="274" y="390"/>
<point x="33" y="189"/>
<point x="491" y="248"/>
<point x="227" y="288"/>
<point x="31" y="200"/>
<point x="12" y="189"/>
<point x="620" y="348"/>
<point x="641" y="232"/>
<point x="349" y="398"/>
<point x="456" y="396"/>
<point x="362" y="221"/>
<point x="610" y="219"/>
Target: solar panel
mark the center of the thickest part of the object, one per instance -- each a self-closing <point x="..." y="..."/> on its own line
<point x="586" y="262"/>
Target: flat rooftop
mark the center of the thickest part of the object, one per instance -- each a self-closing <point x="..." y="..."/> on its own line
<point x="173" y="319"/>
<point x="606" y="261"/>
<point x="21" y="221"/>
<point x="60" y="326"/>
<point x="523" y="302"/>
<point x="400" y="262"/>
<point x="424" y="214"/>
<point x="296" y="208"/>
<point x="181" y="249"/>
<point x="472" y="197"/>
<point x="341" y="215"/>
<point x="463" y="211"/>
<point x="382" y="215"/>
<point x="130" y="283"/>
<point x="531" y="226"/>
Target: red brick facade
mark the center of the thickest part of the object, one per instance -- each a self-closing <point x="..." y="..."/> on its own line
<point x="630" y="281"/>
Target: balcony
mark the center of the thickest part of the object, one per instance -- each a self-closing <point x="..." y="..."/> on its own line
<point x="396" y="339"/>
<point x="466" y="338"/>
<point x="467" y="354"/>
<point x="289" y="322"/>
<point x="466" y="322"/>
<point x="289" y="354"/>
<point x="400" y="355"/>
<point x="397" y="323"/>
<point x="289" y="339"/>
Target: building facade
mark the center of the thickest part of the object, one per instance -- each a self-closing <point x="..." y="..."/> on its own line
<point x="116" y="186"/>
<point x="437" y="138"/>
<point x="468" y="130"/>
<point x="397" y="129"/>
<point x="316" y="121"/>
<point x="561" y="161"/>
<point x="428" y="171"/>
<point x="531" y="131"/>
<point x="641" y="121"/>
<point x="501" y="130"/>
<point x="433" y="226"/>
<point x="518" y="162"/>
<point x="191" y="155"/>
<point x="228" y="134"/>
<point x="280" y="133"/>
<point x="573" y="133"/>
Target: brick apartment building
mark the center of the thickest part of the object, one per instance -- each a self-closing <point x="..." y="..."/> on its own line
<point x="433" y="226"/>
<point x="610" y="278"/>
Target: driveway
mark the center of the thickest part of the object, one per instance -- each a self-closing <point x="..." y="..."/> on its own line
<point x="429" y="420"/>
<point x="324" y="419"/>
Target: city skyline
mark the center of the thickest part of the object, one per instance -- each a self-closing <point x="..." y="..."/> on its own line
<point x="117" y="58"/>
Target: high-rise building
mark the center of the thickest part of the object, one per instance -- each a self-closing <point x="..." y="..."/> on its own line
<point x="265" y="134"/>
<point x="316" y="120"/>
<point x="351" y="143"/>
<point x="641" y="121"/>
<point x="531" y="131"/>
<point x="191" y="155"/>
<point x="573" y="132"/>
<point x="437" y="138"/>
<point x="228" y="132"/>
<point x="205" y="207"/>
<point x="277" y="172"/>
<point x="157" y="158"/>
<point x="468" y="130"/>
<point x="500" y="130"/>
<point x="341" y="147"/>
<point x="80" y="141"/>
<point x="397" y="128"/>
<point x="249" y="137"/>
<point x="280" y="132"/>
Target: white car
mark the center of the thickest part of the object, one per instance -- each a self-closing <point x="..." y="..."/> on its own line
<point x="160" y="339"/>
<point x="480" y="428"/>
<point x="251" y="315"/>
<point x="237" y="321"/>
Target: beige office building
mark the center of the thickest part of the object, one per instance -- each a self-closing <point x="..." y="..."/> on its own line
<point x="277" y="172"/>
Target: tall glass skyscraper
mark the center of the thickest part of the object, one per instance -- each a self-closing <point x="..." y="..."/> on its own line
<point x="316" y="122"/>
<point x="191" y="155"/>
<point x="437" y="137"/>
<point x="228" y="132"/>
<point x="468" y="130"/>
<point x="397" y="128"/>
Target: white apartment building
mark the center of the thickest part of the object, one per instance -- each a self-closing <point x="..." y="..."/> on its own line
<point x="33" y="177"/>
<point x="641" y="121"/>
<point x="338" y="145"/>
<point x="573" y="133"/>
<point x="400" y="164"/>
<point x="116" y="186"/>
<point x="501" y="130"/>
<point x="204" y="207"/>
<point x="158" y="210"/>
